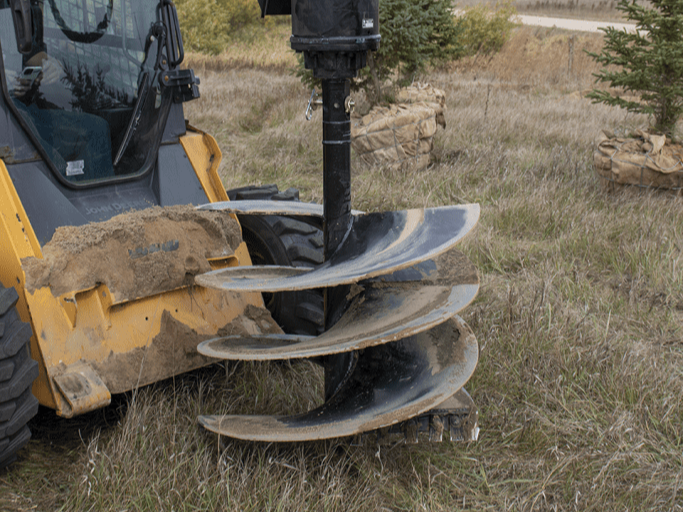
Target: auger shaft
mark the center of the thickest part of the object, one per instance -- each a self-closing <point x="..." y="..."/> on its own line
<point x="337" y="217"/>
<point x="336" y="163"/>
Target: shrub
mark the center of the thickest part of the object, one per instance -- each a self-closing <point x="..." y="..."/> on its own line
<point x="415" y="33"/>
<point x="485" y="30"/>
<point x="650" y="62"/>
<point x="209" y="25"/>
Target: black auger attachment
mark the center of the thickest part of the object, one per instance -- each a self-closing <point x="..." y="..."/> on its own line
<point x="395" y="354"/>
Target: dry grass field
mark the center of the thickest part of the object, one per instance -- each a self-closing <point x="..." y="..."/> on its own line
<point x="579" y="319"/>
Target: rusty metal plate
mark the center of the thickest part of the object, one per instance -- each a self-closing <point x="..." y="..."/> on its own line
<point x="390" y="383"/>
<point x="376" y="244"/>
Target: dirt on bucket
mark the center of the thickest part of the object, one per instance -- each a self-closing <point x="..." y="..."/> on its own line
<point x="174" y="350"/>
<point x="136" y="254"/>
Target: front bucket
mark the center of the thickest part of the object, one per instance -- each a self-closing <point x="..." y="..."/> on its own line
<point x="388" y="384"/>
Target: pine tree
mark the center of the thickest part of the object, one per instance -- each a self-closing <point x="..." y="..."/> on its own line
<point x="415" y="33"/>
<point x="650" y="62"/>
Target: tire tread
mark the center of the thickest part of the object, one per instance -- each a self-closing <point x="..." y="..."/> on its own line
<point x="17" y="372"/>
<point x="292" y="242"/>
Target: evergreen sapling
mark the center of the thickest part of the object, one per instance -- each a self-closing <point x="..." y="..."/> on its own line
<point x="649" y="62"/>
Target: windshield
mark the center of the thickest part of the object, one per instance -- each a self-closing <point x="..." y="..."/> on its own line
<point x="77" y="90"/>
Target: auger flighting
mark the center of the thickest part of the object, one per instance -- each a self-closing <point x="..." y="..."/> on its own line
<point x="394" y="350"/>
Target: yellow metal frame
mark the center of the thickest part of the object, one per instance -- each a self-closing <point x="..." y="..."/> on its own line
<point x="120" y="341"/>
<point x="205" y="157"/>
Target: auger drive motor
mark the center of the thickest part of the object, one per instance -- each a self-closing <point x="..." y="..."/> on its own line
<point x="124" y="261"/>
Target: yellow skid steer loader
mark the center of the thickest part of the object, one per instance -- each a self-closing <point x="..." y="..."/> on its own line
<point x="124" y="261"/>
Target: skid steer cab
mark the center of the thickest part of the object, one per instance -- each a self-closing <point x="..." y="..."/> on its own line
<point x="124" y="261"/>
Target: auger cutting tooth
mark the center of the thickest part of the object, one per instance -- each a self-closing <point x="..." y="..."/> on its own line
<point x="389" y="383"/>
<point x="432" y="423"/>
<point x="383" y="310"/>
<point x="436" y="427"/>
<point x="411" y="431"/>
<point x="456" y="432"/>
<point x="376" y="244"/>
<point x="464" y="428"/>
<point x="380" y="436"/>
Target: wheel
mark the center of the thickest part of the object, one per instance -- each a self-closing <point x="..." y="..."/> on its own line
<point x="285" y="241"/>
<point x="17" y="373"/>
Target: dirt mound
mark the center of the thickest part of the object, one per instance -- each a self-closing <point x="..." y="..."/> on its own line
<point x="135" y="254"/>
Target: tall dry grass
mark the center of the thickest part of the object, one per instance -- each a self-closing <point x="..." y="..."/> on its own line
<point x="578" y="319"/>
<point x="539" y="58"/>
<point x="267" y="50"/>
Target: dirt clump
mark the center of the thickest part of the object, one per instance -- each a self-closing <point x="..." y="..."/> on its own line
<point x="136" y="254"/>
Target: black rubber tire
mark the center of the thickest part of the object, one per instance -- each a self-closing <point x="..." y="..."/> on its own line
<point x="286" y="241"/>
<point x="17" y="373"/>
